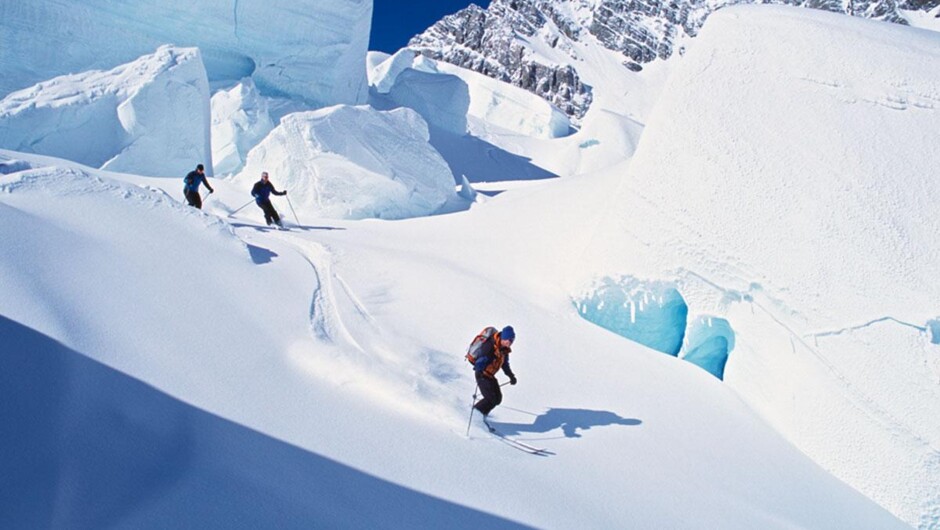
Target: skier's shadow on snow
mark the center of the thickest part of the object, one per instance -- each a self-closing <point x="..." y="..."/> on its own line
<point x="570" y="421"/>
<point x="260" y="255"/>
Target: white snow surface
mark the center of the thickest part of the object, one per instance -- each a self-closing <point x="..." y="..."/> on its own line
<point x="312" y="49"/>
<point x="162" y="365"/>
<point x="348" y="162"/>
<point x="240" y="120"/>
<point x="148" y="117"/>
<point x="243" y="377"/>
<point x="801" y="206"/>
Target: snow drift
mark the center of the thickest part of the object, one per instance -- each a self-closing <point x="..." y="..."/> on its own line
<point x="354" y="162"/>
<point x="800" y="207"/>
<point x="150" y="116"/>
<point x="312" y="49"/>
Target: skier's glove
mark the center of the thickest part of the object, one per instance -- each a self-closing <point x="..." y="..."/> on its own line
<point x="512" y="380"/>
<point x="211" y="191"/>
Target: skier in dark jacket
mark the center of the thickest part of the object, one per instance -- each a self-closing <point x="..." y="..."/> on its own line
<point x="494" y="355"/>
<point x="191" y="186"/>
<point x="261" y="191"/>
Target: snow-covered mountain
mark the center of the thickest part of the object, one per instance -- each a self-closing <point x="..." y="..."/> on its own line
<point x="539" y="45"/>
<point x="722" y="285"/>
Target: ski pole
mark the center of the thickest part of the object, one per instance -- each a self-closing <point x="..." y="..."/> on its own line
<point x="292" y="210"/>
<point x="240" y="208"/>
<point x="470" y="421"/>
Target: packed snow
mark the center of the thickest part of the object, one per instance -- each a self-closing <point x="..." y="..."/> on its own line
<point x="163" y="365"/>
<point x="310" y="49"/>
<point x="148" y="117"/>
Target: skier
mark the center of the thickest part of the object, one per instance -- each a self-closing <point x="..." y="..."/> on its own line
<point x="191" y="186"/>
<point x="261" y="192"/>
<point x="493" y="355"/>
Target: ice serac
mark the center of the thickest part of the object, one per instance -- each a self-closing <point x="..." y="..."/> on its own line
<point x="240" y="120"/>
<point x="149" y="117"/>
<point x="780" y="206"/>
<point x="354" y="162"/>
<point x="492" y="102"/>
<point x="312" y="49"/>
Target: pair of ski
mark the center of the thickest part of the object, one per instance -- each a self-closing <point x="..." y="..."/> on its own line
<point x="516" y="444"/>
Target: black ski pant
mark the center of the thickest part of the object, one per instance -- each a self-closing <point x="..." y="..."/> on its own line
<point x="492" y="395"/>
<point x="270" y="214"/>
<point x="193" y="198"/>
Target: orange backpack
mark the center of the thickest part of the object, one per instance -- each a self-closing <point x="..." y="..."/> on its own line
<point x="476" y="347"/>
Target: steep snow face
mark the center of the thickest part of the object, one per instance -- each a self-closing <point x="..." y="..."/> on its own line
<point x="149" y="117"/>
<point x="800" y="206"/>
<point x="492" y="102"/>
<point x="240" y="120"/>
<point x="313" y="49"/>
<point x="354" y="162"/>
<point x="541" y="45"/>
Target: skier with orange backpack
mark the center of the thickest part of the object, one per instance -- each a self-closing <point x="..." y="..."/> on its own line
<point x="488" y="353"/>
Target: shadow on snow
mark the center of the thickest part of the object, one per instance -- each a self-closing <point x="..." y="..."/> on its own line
<point x="570" y="421"/>
<point x="86" y="446"/>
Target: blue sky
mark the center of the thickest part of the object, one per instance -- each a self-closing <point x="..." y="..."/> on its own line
<point x="396" y="21"/>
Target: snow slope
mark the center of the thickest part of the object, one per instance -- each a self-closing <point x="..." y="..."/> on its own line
<point x="800" y="207"/>
<point x="311" y="49"/>
<point x="224" y="333"/>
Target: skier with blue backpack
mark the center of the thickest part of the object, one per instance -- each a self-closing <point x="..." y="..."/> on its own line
<point x="489" y="353"/>
<point x="191" y="183"/>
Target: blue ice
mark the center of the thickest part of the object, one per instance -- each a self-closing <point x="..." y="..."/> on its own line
<point x="652" y="313"/>
<point x="933" y="331"/>
<point x="708" y="342"/>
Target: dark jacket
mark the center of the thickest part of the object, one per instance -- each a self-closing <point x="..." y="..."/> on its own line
<point x="493" y="358"/>
<point x="262" y="190"/>
<point x="193" y="180"/>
